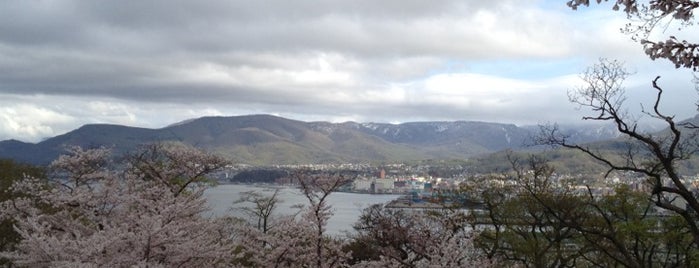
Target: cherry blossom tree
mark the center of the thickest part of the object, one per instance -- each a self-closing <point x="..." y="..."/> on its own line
<point x="258" y="208"/>
<point x="175" y="165"/>
<point x="298" y="240"/>
<point x="148" y="212"/>
<point x="646" y="16"/>
<point x="90" y="214"/>
<point x="317" y="188"/>
<point x="418" y="238"/>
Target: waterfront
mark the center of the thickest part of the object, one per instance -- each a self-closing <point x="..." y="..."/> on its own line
<point x="347" y="207"/>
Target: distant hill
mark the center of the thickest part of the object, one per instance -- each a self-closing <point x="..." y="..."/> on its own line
<point x="266" y="140"/>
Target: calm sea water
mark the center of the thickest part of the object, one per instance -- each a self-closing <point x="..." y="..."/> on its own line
<point x="346" y="206"/>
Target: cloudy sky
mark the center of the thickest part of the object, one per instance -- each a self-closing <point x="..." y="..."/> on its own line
<point x="153" y="63"/>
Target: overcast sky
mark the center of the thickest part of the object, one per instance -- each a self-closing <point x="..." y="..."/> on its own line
<point x="153" y="63"/>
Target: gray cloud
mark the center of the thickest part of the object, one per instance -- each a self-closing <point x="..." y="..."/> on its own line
<point x="152" y="63"/>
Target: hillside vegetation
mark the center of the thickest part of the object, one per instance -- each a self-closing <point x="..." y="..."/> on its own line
<point x="270" y="140"/>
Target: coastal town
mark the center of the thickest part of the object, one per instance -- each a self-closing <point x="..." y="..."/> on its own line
<point x="421" y="187"/>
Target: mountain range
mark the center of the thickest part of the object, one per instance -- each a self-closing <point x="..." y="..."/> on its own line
<point x="266" y="140"/>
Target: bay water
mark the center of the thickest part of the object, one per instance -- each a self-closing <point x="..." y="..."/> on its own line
<point x="346" y="207"/>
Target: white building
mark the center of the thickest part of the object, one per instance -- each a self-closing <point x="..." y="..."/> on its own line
<point x="382" y="185"/>
<point x="373" y="185"/>
<point x="362" y="184"/>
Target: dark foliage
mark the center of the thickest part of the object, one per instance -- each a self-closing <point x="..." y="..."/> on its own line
<point x="11" y="171"/>
<point x="260" y="176"/>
